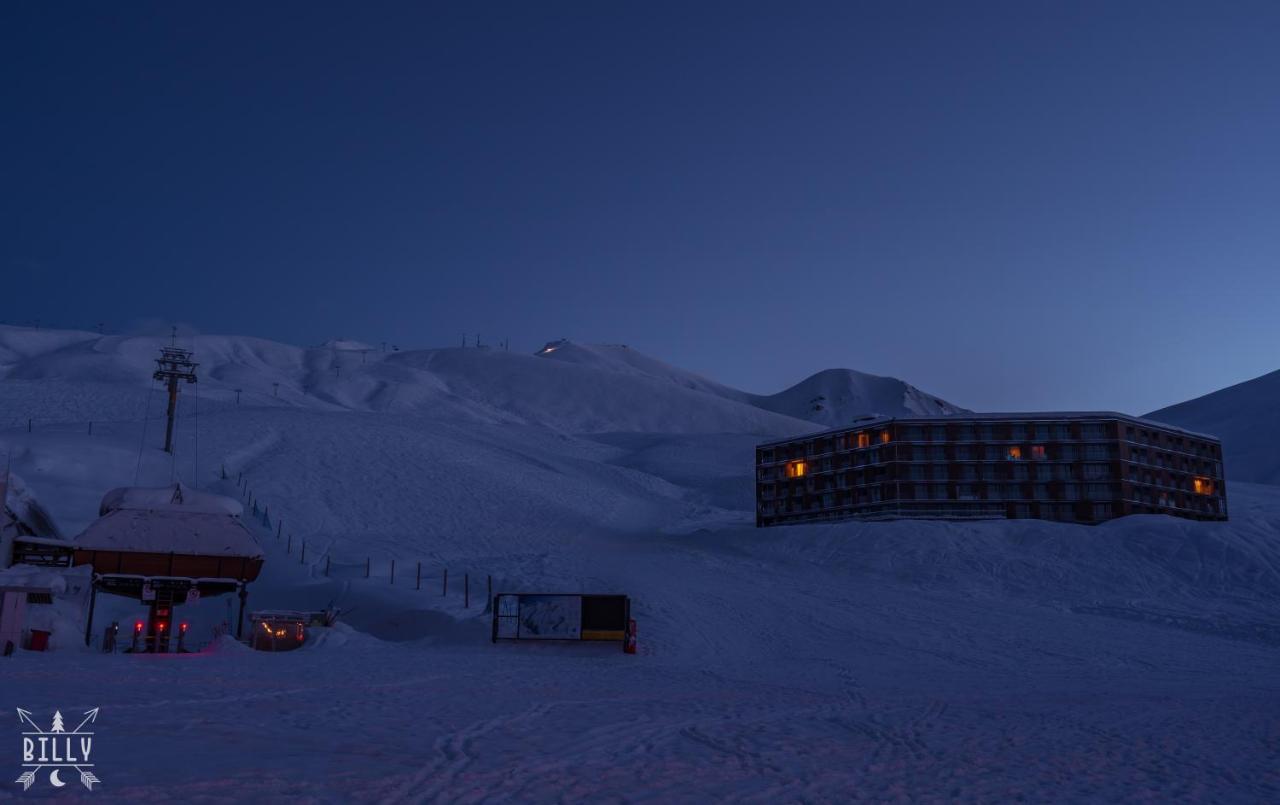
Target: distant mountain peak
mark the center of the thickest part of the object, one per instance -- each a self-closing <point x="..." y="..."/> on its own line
<point x="838" y="397"/>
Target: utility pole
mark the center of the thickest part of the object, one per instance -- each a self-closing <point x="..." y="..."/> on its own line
<point x="173" y="365"/>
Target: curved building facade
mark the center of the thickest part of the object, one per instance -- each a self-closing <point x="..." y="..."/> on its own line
<point x="1077" y="467"/>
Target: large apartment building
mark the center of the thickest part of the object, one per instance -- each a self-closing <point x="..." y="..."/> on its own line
<point x="1079" y="467"/>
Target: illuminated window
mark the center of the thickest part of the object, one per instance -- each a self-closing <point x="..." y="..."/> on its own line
<point x="1202" y="486"/>
<point x="864" y="439"/>
<point x="1014" y="453"/>
<point x="1037" y="451"/>
<point x="796" y="469"/>
<point x="884" y="437"/>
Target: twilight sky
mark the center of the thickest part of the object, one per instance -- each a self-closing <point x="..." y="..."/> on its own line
<point x="1012" y="206"/>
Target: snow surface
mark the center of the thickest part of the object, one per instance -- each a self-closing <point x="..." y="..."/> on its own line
<point x="169" y="531"/>
<point x="1246" y="417"/>
<point x="902" y="661"/>
<point x="176" y="497"/>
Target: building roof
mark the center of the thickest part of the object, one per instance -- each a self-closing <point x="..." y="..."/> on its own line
<point x="1024" y="416"/>
<point x="174" y="497"/>
<point x="19" y="508"/>
<point x="170" y="530"/>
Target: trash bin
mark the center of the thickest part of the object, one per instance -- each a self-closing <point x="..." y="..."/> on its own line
<point x="39" y="640"/>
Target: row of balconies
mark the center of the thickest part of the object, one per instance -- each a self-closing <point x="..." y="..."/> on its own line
<point x="1056" y="491"/>
<point x="974" y="471"/>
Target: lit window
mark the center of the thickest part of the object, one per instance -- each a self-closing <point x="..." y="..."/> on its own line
<point x="1202" y="486"/>
<point x="1037" y="451"/>
<point x="884" y="437"/>
<point x="1014" y="453"/>
<point x="796" y="469"/>
<point x="864" y="439"/>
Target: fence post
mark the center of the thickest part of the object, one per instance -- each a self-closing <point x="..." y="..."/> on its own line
<point x="418" y="584"/>
<point x="327" y="557"/>
<point x="366" y="567"/>
<point x="490" y="580"/>
<point x="444" y="590"/>
<point x="90" y="427"/>
<point x="288" y="546"/>
<point x="279" y="527"/>
<point x="466" y="590"/>
<point x="302" y="557"/>
<point x="393" y="571"/>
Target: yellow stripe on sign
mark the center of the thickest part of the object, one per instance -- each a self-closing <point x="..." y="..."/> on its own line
<point x="603" y="634"/>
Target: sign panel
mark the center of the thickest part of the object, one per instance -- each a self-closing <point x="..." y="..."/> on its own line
<point x="560" y="616"/>
<point x="551" y="617"/>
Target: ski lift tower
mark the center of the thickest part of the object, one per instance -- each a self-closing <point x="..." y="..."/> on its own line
<point x="174" y="365"/>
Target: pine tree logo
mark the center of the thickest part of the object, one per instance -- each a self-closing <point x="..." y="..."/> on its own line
<point x="57" y="749"/>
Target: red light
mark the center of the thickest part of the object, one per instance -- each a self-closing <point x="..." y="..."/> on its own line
<point x="137" y="627"/>
<point x="183" y="626"/>
<point x="160" y="626"/>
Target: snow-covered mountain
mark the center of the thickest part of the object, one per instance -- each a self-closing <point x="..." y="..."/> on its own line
<point x="1246" y="417"/>
<point x="571" y="387"/>
<point x="836" y="397"/>
<point x="830" y="398"/>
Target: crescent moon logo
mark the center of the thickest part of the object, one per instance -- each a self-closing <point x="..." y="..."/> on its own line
<point x="53" y="779"/>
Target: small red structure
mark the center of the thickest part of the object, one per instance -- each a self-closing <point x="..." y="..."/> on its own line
<point x="39" y="640"/>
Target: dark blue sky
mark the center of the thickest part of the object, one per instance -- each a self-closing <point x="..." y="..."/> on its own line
<point x="1014" y="206"/>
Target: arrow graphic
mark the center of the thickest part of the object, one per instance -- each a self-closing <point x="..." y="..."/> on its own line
<point x="25" y="715"/>
<point x="87" y="779"/>
<point x="89" y="716"/>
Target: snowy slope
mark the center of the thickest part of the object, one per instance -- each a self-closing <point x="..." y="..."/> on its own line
<point x="830" y="398"/>
<point x="991" y="661"/>
<point x="1246" y="417"/>
<point x="53" y="377"/>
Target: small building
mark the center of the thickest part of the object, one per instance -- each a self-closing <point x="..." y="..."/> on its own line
<point x="282" y="630"/>
<point x="1074" y="467"/>
<point x="42" y="607"/>
<point x="14" y="598"/>
<point x="168" y="546"/>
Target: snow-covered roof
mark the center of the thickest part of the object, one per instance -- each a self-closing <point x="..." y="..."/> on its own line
<point x="175" y="497"/>
<point x="21" y="505"/>
<point x="1016" y="416"/>
<point x="170" y="530"/>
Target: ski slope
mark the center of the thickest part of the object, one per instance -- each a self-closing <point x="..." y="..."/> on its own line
<point x="1246" y="417"/>
<point x="903" y="661"/>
